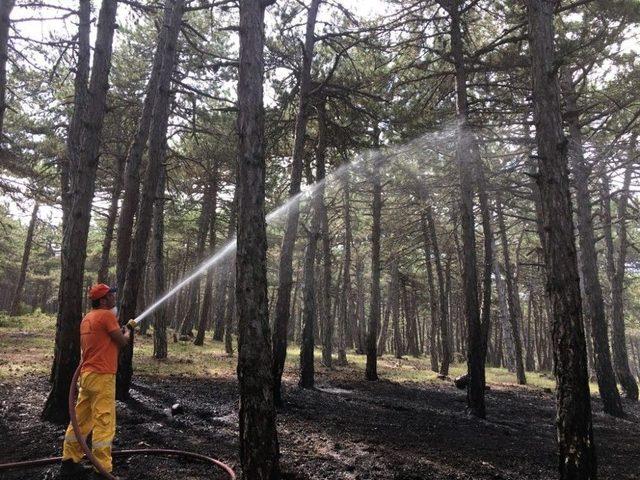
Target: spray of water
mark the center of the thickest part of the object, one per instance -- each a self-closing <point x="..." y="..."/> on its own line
<point x="385" y="158"/>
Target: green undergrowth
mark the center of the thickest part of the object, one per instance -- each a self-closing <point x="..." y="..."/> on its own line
<point x="26" y="347"/>
<point x="26" y="344"/>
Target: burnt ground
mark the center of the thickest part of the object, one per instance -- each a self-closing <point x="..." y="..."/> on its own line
<point x="346" y="429"/>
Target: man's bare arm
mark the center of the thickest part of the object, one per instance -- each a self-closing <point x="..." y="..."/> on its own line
<point x="119" y="337"/>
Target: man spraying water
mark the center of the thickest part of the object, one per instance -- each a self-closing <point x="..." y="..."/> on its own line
<point x="100" y="339"/>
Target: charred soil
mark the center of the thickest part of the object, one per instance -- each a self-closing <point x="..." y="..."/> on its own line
<point x="346" y="428"/>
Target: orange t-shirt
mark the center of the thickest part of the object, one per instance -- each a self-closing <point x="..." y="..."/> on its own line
<point x="99" y="351"/>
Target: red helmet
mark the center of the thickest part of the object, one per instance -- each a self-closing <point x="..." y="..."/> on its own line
<point x="99" y="290"/>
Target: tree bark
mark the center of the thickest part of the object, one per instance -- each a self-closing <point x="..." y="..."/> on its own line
<point x="345" y="294"/>
<point x="615" y="270"/>
<point x="443" y="295"/>
<point x="577" y="458"/>
<point x="220" y="301"/>
<point x="466" y="151"/>
<point x="131" y="194"/>
<point x="70" y="161"/>
<point x="513" y="300"/>
<point x="103" y="271"/>
<point x="160" y="315"/>
<point x="503" y="315"/>
<point x="487" y="234"/>
<point x="230" y="315"/>
<point x="205" y="308"/>
<point x="5" y="22"/>
<point x="529" y="362"/>
<point x="410" y="319"/>
<point x="326" y="318"/>
<point x="382" y="338"/>
<point x="74" y="243"/>
<point x="17" y="295"/>
<point x="592" y="291"/>
<point x="309" y="296"/>
<point x="394" y="288"/>
<point x="371" y="371"/>
<point x="259" y="450"/>
<point x="223" y="297"/>
<point x="421" y="327"/>
<point x="433" y="298"/>
<point x="358" y="309"/>
<point x="157" y="150"/>
<point x="285" y="269"/>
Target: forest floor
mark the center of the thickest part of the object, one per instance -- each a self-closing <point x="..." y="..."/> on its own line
<point x="407" y="426"/>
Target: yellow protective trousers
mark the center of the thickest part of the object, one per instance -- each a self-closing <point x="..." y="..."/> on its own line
<point x="95" y="410"/>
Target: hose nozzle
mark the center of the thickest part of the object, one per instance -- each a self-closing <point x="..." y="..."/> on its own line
<point x="132" y="324"/>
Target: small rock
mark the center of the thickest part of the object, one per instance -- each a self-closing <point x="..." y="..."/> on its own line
<point x="177" y="409"/>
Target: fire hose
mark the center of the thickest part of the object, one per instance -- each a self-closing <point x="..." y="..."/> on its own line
<point x="73" y="394"/>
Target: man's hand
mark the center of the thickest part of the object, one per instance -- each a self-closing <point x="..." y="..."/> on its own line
<point x="122" y="337"/>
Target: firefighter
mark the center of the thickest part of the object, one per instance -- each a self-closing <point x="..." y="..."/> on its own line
<point x="100" y="339"/>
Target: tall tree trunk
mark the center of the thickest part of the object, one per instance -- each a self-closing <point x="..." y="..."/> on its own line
<point x="487" y="235"/>
<point x="319" y="327"/>
<point x="204" y="223"/>
<point x="17" y="295"/>
<point x="371" y="372"/>
<point x="345" y="294"/>
<point x="5" y="12"/>
<point x="157" y="150"/>
<point x="76" y="231"/>
<point x="103" y="271"/>
<point x="205" y="308"/>
<point x="220" y="300"/>
<point x="394" y="288"/>
<point x="538" y="328"/>
<point x="410" y="320"/>
<point x="309" y="295"/>
<point x="160" y="315"/>
<point x="131" y="193"/>
<point x="513" y="300"/>
<point x="536" y="198"/>
<point x="223" y="298"/>
<point x="421" y="327"/>
<point x="357" y="309"/>
<point x="594" y="308"/>
<point x="70" y="161"/>
<point x="326" y="318"/>
<point x="230" y="315"/>
<point x="529" y="363"/>
<point x="443" y="295"/>
<point x="382" y="338"/>
<point x="466" y="152"/>
<point x="296" y="319"/>
<point x="433" y="298"/>
<point x="615" y="269"/>
<point x="503" y="315"/>
<point x="285" y="270"/>
<point x="259" y="450"/>
<point x="577" y="458"/>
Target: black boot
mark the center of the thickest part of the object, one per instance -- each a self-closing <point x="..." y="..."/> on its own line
<point x="69" y="470"/>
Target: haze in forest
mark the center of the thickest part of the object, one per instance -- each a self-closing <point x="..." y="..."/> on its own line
<point x="335" y="239"/>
